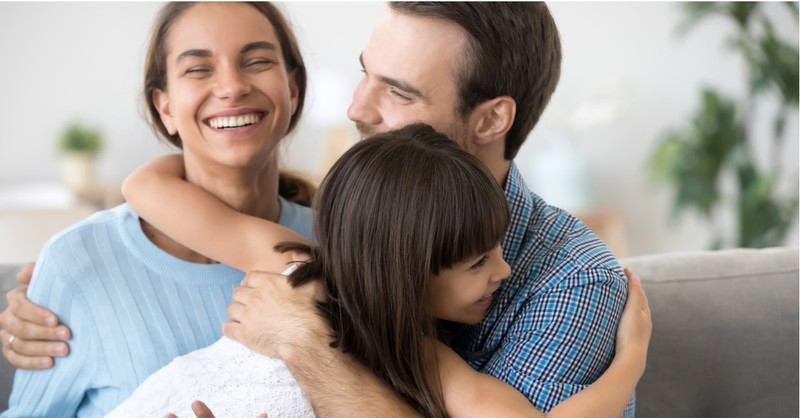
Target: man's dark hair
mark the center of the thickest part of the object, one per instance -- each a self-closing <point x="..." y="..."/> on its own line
<point x="513" y="49"/>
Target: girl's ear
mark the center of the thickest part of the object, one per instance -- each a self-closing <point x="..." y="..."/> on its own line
<point x="161" y="101"/>
<point x="492" y="119"/>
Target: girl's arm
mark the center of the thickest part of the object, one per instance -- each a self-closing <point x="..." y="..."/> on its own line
<point x="196" y="219"/>
<point x="468" y="393"/>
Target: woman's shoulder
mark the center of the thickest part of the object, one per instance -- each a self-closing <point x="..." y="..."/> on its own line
<point x="297" y="218"/>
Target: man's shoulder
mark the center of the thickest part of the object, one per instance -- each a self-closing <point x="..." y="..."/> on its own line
<point x="556" y="250"/>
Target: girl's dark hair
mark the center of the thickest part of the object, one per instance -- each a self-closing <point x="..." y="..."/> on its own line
<point x="394" y="210"/>
<point x="155" y="74"/>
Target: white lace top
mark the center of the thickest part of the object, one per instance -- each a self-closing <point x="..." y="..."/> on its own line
<point x="232" y="380"/>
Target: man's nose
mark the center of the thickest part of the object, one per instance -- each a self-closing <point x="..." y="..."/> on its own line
<point x="364" y="107"/>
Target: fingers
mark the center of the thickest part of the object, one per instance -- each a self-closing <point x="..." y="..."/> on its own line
<point x="24" y="309"/>
<point x="262" y="416"/>
<point x="25" y="274"/>
<point x="170" y="416"/>
<point x="20" y="361"/>
<point x="26" y="324"/>
<point x="201" y="410"/>
<point x="636" y="295"/>
<point x="255" y="278"/>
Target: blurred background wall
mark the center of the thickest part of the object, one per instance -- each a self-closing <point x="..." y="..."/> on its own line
<point x="627" y="79"/>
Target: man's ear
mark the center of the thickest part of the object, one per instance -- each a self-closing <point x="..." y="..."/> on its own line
<point x="492" y="120"/>
<point x="161" y="101"/>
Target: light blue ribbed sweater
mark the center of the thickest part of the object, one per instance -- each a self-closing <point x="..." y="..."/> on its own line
<point x="131" y="307"/>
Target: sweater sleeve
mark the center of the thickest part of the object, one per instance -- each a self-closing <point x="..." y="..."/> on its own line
<point x="60" y="390"/>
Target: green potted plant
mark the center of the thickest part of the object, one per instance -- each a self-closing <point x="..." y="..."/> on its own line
<point x="79" y="146"/>
<point x="719" y="140"/>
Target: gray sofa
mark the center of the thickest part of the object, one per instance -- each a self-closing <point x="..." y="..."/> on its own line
<point x="725" y="334"/>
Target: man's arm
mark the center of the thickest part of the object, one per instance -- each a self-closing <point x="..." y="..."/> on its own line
<point x="270" y="317"/>
<point x="38" y="337"/>
<point x="562" y="340"/>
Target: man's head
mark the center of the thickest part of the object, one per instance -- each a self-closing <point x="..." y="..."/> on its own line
<point x="482" y="73"/>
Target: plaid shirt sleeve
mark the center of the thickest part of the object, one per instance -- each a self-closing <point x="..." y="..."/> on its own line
<point x="563" y="339"/>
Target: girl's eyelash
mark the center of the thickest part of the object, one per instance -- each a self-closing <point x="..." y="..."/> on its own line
<point x="480" y="262"/>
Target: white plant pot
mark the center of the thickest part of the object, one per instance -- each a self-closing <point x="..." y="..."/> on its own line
<point x="77" y="171"/>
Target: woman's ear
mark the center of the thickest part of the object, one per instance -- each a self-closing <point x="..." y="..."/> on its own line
<point x="493" y="119"/>
<point x="161" y="101"/>
<point x="294" y="91"/>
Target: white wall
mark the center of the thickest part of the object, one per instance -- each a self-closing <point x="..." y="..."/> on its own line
<point x="65" y="61"/>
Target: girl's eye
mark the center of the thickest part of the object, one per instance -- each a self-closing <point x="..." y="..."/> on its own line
<point x="482" y="262"/>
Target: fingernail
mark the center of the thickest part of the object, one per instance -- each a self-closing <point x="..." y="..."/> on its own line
<point x="50" y="321"/>
<point x="45" y="362"/>
<point x="62" y="334"/>
<point x="61" y="350"/>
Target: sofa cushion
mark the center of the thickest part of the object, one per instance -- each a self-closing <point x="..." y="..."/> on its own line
<point x="725" y="334"/>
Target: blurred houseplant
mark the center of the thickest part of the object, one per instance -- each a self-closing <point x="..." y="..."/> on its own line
<point x="79" y="147"/>
<point x="719" y="140"/>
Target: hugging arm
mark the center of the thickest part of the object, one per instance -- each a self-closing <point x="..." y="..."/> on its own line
<point x="203" y="223"/>
<point x="273" y="318"/>
<point x="38" y="336"/>
<point x="472" y="394"/>
<point x="563" y="339"/>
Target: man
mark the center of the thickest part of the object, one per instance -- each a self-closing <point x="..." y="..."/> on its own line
<point x="482" y="73"/>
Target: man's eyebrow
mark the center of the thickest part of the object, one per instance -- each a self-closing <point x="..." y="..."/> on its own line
<point x="398" y="84"/>
<point x="204" y="53"/>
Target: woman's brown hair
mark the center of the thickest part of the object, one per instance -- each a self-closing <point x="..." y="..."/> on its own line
<point x="394" y="210"/>
<point x="155" y="77"/>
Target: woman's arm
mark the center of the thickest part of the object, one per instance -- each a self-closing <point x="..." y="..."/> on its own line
<point x="203" y="223"/>
<point x="469" y="393"/>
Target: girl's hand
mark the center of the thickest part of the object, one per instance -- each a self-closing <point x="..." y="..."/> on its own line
<point x="635" y="326"/>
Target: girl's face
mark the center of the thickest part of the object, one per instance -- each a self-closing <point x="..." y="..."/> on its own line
<point x="228" y="93"/>
<point x="463" y="293"/>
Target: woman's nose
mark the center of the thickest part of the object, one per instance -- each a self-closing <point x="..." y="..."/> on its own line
<point x="363" y="109"/>
<point x="232" y="85"/>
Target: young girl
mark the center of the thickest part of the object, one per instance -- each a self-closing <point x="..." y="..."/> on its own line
<point x="408" y="227"/>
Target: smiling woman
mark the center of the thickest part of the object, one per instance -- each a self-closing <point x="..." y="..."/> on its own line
<point x="225" y="83"/>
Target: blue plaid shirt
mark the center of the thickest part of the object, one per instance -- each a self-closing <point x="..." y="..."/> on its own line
<point x="550" y="331"/>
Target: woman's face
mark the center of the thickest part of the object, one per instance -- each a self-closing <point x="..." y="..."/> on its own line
<point x="228" y="93"/>
<point x="463" y="293"/>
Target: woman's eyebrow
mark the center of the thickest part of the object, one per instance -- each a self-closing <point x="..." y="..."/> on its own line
<point x="200" y="53"/>
<point x="258" y="45"/>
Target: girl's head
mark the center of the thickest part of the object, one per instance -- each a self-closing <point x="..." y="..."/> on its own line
<point x="224" y="79"/>
<point x="408" y="226"/>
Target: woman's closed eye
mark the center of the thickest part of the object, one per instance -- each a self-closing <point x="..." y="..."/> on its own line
<point x="260" y="64"/>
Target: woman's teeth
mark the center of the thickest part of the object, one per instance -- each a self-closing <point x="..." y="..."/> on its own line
<point x="230" y="122"/>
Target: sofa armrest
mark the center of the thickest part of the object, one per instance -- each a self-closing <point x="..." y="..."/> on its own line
<point x="725" y="334"/>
